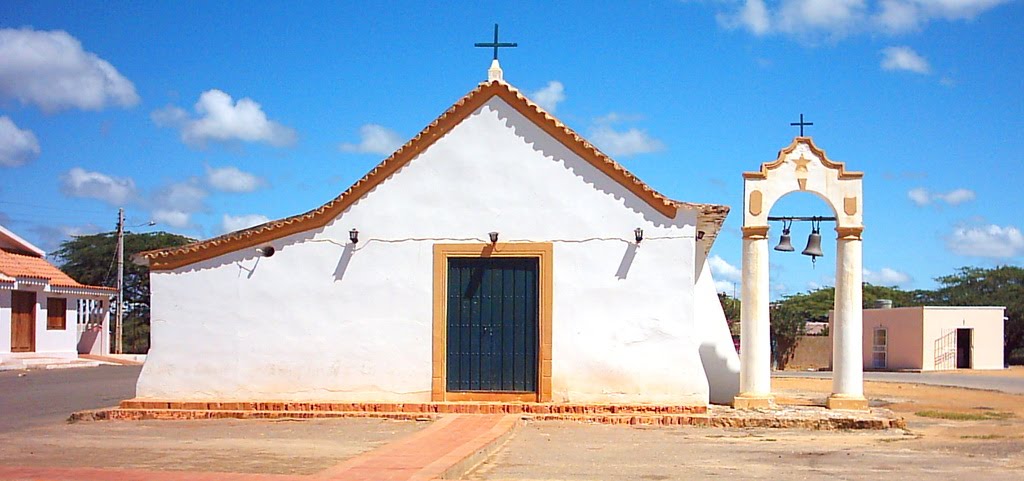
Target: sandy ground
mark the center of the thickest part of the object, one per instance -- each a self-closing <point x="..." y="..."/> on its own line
<point x="931" y="448"/>
<point x="223" y="445"/>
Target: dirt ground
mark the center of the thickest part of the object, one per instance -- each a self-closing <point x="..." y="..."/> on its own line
<point x="936" y="445"/>
<point x="221" y="445"/>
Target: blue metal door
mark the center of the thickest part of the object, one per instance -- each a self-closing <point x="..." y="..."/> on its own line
<point x="493" y="311"/>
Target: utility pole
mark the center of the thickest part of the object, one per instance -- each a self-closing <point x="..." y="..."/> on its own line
<point x="119" y="309"/>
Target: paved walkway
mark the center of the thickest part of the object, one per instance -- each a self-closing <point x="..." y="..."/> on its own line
<point x="1008" y="381"/>
<point x="452" y="445"/>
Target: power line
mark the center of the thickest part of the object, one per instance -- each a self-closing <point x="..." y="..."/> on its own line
<point x="47" y="207"/>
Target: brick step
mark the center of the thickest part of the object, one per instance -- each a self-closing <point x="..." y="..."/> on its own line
<point x="421" y="408"/>
<point x="122" y="414"/>
<point x="133" y="414"/>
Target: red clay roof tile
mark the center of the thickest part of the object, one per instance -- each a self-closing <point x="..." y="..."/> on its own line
<point x="15" y="264"/>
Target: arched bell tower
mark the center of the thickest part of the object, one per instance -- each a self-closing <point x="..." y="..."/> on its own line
<point x="802" y="167"/>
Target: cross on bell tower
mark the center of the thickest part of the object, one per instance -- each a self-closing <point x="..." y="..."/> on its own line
<point x="495" y="73"/>
<point x="801" y="124"/>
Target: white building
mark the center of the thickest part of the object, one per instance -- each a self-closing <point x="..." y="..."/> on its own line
<point x="46" y="312"/>
<point x="934" y="338"/>
<point x="396" y="290"/>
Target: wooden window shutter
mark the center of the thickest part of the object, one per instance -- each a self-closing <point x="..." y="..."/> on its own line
<point x="56" y="313"/>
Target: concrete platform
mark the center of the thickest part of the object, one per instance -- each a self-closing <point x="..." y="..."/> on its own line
<point x="21" y="362"/>
<point x="800" y="417"/>
<point x="446" y="449"/>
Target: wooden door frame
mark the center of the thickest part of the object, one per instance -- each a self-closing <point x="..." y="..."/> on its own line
<point x="35" y="319"/>
<point x="542" y="251"/>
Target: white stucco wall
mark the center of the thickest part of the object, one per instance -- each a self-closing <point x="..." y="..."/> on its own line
<point x="5" y="321"/>
<point x="987" y="338"/>
<point x="52" y="343"/>
<point x="321" y="320"/>
<point x="717" y="351"/>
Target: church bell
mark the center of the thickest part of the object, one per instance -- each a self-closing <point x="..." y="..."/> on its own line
<point x="785" y="242"/>
<point x="813" y="248"/>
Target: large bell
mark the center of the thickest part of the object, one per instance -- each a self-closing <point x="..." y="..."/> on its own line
<point x="813" y="248"/>
<point x="785" y="242"/>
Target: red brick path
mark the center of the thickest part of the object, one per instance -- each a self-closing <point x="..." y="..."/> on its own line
<point x="444" y="445"/>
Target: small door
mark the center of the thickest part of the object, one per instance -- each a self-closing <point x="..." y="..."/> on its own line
<point x="23" y="321"/>
<point x="963" y="348"/>
<point x="880" y="349"/>
<point x="493" y="312"/>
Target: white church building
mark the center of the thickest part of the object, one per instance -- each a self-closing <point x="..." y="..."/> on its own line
<point x="496" y="256"/>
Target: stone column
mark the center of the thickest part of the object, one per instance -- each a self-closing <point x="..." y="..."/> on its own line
<point x="755" y="334"/>
<point x="848" y="332"/>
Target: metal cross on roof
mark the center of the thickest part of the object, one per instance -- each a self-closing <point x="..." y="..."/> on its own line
<point x="801" y="123"/>
<point x="495" y="44"/>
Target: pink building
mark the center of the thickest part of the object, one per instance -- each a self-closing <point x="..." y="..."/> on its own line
<point x="933" y="338"/>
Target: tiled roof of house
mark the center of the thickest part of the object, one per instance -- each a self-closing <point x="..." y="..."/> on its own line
<point x="709" y="216"/>
<point x="15" y="265"/>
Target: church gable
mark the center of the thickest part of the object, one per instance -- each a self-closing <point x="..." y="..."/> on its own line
<point x="534" y="126"/>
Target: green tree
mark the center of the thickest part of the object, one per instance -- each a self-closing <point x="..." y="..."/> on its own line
<point x="731" y="308"/>
<point x="790" y="314"/>
<point x="89" y="259"/>
<point x="998" y="286"/>
<point x="788" y="324"/>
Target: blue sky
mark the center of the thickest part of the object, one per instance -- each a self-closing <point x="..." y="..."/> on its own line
<point x="211" y="116"/>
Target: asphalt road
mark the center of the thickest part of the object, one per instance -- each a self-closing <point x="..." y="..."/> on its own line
<point x="993" y="381"/>
<point x="48" y="396"/>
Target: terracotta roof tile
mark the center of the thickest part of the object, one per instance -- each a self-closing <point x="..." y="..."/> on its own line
<point x="170" y="258"/>
<point x="15" y="264"/>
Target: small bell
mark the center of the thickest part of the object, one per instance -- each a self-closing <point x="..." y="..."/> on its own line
<point x="813" y="248"/>
<point x="785" y="242"/>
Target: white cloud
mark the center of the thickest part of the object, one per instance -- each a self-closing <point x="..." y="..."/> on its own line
<point x="172" y="217"/>
<point x="986" y="241"/>
<point x="839" y="18"/>
<point x="17" y="146"/>
<point x="220" y="118"/>
<point x="550" y="96"/>
<point x="231" y="223"/>
<point x="115" y="191"/>
<point x="174" y="204"/>
<point x="754" y="15"/>
<point x="232" y="179"/>
<point x="898" y="16"/>
<point x="922" y="197"/>
<point x="886" y="277"/>
<point x="187" y="196"/>
<point x="615" y="117"/>
<point x="374" y="139"/>
<point x="53" y="71"/>
<point x="170" y="116"/>
<point x="956" y="197"/>
<point x="624" y="143"/>
<point x="904" y="58"/>
<point x="723" y="270"/>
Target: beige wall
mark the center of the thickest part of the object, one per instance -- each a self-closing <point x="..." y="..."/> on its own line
<point x="904" y="331"/>
<point x="812" y="352"/>
<point x="913" y="333"/>
<point x="987" y="339"/>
